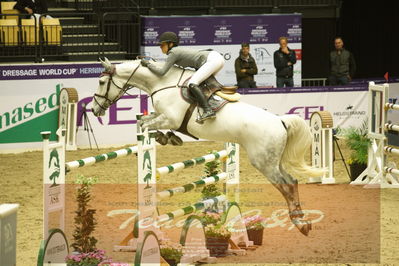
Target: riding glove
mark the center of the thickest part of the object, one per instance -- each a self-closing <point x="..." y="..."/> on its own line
<point x="145" y="63"/>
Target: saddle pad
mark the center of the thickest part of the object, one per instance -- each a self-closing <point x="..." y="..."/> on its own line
<point x="215" y="102"/>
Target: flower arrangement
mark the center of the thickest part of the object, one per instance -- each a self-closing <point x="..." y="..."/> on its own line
<point x="217" y="239"/>
<point x="254" y="222"/>
<point x="217" y="231"/>
<point x="211" y="168"/>
<point x="210" y="217"/>
<point x="255" y="226"/>
<point x="171" y="252"/>
<point x="90" y="258"/>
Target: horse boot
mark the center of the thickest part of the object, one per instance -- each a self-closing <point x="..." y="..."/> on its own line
<point x="161" y="138"/>
<point x="202" y="102"/>
<point x="173" y="139"/>
<point x="298" y="212"/>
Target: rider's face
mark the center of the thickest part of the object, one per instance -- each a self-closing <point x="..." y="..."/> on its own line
<point x="164" y="47"/>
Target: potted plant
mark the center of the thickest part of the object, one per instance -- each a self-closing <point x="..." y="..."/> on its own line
<point x="210" y="217"/>
<point x="84" y="245"/>
<point x="217" y="239"/>
<point x="357" y="141"/>
<point x="255" y="227"/>
<point x="211" y="168"/>
<point x="171" y="252"/>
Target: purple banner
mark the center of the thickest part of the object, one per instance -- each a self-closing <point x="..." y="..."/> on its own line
<point x="214" y="30"/>
<point x="349" y="87"/>
<point x="39" y="71"/>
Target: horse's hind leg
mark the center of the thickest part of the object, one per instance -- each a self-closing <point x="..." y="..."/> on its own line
<point x="295" y="192"/>
<point x="291" y="195"/>
<point x="288" y="187"/>
<point x="294" y="205"/>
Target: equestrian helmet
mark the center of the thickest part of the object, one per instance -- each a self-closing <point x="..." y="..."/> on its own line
<point x="169" y="36"/>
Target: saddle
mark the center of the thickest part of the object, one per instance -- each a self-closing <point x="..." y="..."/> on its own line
<point x="217" y="95"/>
<point x="211" y="87"/>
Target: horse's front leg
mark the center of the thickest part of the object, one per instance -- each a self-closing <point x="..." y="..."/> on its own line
<point x="149" y="117"/>
<point x="161" y="121"/>
<point x="156" y="122"/>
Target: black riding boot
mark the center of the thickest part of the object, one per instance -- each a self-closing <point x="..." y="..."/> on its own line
<point x="202" y="102"/>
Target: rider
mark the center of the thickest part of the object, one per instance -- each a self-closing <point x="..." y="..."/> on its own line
<point x="206" y="63"/>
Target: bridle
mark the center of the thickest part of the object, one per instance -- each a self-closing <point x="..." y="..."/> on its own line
<point x="122" y="90"/>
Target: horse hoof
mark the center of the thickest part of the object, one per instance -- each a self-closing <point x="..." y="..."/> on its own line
<point x="173" y="139"/>
<point x="176" y="141"/>
<point x="161" y="138"/>
<point x="305" y="229"/>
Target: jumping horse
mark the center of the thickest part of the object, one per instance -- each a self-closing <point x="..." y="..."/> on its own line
<point x="276" y="145"/>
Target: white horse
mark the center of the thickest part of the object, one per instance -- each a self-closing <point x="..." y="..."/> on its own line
<point x="276" y="145"/>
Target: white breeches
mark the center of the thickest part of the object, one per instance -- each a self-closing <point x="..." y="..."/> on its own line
<point x="214" y="63"/>
<point x="37" y="17"/>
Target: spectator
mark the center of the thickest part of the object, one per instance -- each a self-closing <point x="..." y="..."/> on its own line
<point x="342" y="64"/>
<point x="33" y="8"/>
<point x="245" y="67"/>
<point x="284" y="60"/>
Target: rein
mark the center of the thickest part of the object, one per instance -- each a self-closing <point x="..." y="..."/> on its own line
<point x="170" y="87"/>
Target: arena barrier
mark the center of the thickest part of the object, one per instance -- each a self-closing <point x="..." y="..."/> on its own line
<point x="377" y="173"/>
<point x="54" y="247"/>
<point x="8" y="234"/>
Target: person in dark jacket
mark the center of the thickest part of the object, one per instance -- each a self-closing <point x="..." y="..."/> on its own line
<point x="245" y="67"/>
<point x="342" y="64"/>
<point x="284" y="60"/>
<point x="31" y="7"/>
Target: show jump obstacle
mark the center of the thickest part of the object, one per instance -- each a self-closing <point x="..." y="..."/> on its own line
<point x="67" y="116"/>
<point x="54" y="247"/>
<point x="377" y="173"/>
<point x="192" y="237"/>
<point x="321" y="125"/>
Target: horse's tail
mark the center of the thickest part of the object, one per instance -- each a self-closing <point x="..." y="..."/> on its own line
<point x="299" y="139"/>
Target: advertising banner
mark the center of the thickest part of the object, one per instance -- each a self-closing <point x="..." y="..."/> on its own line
<point x="29" y="105"/>
<point x="225" y="34"/>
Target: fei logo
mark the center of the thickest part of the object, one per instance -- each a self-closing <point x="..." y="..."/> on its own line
<point x="116" y="115"/>
<point x="305" y="111"/>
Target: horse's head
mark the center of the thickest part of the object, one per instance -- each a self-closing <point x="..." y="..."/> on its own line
<point x="110" y="89"/>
